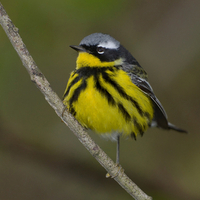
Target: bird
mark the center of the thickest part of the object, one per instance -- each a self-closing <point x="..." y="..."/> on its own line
<point x="109" y="93"/>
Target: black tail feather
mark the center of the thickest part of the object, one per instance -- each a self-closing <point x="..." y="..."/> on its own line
<point x="173" y="127"/>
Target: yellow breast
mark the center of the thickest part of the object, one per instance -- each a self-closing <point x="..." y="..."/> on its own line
<point x="105" y="100"/>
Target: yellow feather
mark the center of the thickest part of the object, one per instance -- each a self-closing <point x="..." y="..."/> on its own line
<point x="92" y="108"/>
<point x="85" y="59"/>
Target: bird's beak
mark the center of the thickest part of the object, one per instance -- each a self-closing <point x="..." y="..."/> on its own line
<point x="78" y="48"/>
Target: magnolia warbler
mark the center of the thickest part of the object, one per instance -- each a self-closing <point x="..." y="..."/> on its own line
<point x="109" y="93"/>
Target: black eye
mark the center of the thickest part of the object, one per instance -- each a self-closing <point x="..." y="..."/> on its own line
<point x="100" y="50"/>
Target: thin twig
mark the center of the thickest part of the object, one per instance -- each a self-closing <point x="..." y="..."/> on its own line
<point x="52" y="98"/>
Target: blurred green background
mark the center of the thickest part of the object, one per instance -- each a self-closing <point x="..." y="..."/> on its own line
<point x="40" y="158"/>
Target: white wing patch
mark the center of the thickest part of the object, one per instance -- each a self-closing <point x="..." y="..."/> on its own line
<point x="108" y="45"/>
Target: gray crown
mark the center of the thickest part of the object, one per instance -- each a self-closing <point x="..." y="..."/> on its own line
<point x="98" y="38"/>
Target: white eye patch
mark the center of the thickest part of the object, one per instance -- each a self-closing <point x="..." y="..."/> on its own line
<point x="108" y="45"/>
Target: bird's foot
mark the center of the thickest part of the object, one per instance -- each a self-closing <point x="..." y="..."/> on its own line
<point x="120" y="171"/>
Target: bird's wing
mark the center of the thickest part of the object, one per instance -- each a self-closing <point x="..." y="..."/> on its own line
<point x="139" y="78"/>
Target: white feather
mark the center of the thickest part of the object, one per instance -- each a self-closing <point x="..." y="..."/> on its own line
<point x="109" y="45"/>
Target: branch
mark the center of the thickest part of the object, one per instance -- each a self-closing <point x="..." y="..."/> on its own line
<point x="52" y="98"/>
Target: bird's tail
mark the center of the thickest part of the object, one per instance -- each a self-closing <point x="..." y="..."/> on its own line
<point x="173" y="127"/>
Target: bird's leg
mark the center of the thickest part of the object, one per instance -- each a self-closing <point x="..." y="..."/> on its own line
<point x="118" y="148"/>
<point x="117" y="160"/>
<point x="65" y="108"/>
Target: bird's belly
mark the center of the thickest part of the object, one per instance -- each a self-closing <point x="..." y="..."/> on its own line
<point x="96" y="112"/>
